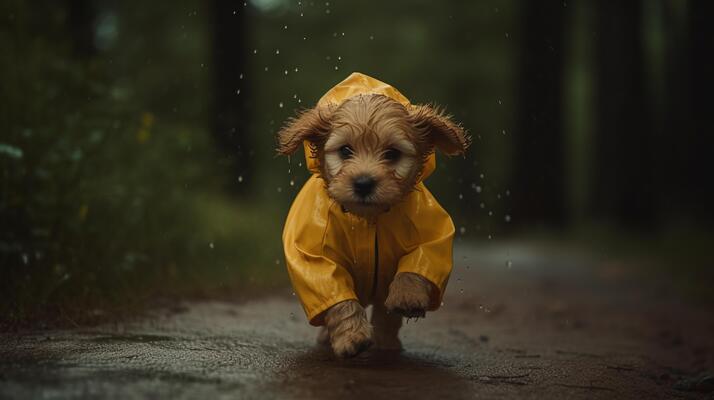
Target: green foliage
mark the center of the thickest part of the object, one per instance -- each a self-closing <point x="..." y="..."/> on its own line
<point x="105" y="198"/>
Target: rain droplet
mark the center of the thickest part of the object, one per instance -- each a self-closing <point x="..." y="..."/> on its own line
<point x="490" y="213"/>
<point x="292" y="182"/>
<point x="286" y="72"/>
<point x="462" y="230"/>
<point x="500" y="102"/>
<point x="277" y="262"/>
<point x="285" y="27"/>
<point x="482" y="205"/>
<point x="371" y="37"/>
<point x="280" y="189"/>
<point x="507" y="218"/>
<point x="509" y="264"/>
<point x="240" y="178"/>
<point x="255" y="51"/>
<point x="238" y="92"/>
<point x="280" y="104"/>
<point x="461" y="196"/>
<point x="336" y="67"/>
<point x="277" y="51"/>
<point x="210" y="245"/>
<point x="503" y="131"/>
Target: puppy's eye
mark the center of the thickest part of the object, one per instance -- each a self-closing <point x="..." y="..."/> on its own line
<point x="346" y="152"/>
<point x="392" y="154"/>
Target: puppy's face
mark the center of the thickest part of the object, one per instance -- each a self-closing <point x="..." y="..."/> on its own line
<point x="371" y="148"/>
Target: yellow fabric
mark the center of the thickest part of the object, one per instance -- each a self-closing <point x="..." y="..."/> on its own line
<point x="332" y="255"/>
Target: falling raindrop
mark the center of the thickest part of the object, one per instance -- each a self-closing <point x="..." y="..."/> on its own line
<point x="210" y="245"/>
<point x="462" y="230"/>
<point x="240" y="178"/>
<point x="280" y="189"/>
<point x="292" y="182"/>
<point x="280" y="105"/>
<point x="461" y="196"/>
<point x="509" y="264"/>
<point x="482" y="205"/>
<point x="507" y="218"/>
<point x="238" y="92"/>
<point x="277" y="51"/>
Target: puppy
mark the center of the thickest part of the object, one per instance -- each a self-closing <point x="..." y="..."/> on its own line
<point x="364" y="229"/>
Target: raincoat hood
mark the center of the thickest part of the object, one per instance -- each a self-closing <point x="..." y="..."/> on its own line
<point x="359" y="84"/>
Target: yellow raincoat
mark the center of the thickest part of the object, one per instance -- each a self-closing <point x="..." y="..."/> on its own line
<point x="333" y="255"/>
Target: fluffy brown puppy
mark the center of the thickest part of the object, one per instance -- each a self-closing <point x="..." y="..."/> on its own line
<point x="371" y="150"/>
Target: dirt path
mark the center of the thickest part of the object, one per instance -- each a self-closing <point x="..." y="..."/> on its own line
<point x="551" y="325"/>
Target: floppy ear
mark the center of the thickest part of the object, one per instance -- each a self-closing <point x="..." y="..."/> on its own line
<point x="437" y="128"/>
<point x="311" y="124"/>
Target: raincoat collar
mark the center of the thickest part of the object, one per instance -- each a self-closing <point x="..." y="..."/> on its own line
<point x="357" y="84"/>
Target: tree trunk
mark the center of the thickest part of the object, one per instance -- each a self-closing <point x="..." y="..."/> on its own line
<point x="700" y="188"/>
<point x="539" y="181"/>
<point x="230" y="122"/>
<point x="623" y="179"/>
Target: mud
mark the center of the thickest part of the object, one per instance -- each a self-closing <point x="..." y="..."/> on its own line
<point x="547" y="325"/>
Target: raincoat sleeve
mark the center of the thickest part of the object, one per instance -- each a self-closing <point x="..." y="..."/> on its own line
<point x="317" y="277"/>
<point x="432" y="256"/>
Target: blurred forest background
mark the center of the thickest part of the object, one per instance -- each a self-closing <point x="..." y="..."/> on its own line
<point x="136" y="149"/>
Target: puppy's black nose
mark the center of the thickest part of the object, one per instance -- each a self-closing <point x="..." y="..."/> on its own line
<point x="363" y="185"/>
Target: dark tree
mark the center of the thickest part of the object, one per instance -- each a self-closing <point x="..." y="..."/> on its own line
<point x="539" y="171"/>
<point x="82" y="17"/>
<point x="698" y="171"/>
<point x="623" y="161"/>
<point x="229" y="113"/>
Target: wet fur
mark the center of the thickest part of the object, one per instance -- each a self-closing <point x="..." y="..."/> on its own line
<point x="371" y="124"/>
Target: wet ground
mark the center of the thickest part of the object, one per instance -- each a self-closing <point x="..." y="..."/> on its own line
<point x="518" y="322"/>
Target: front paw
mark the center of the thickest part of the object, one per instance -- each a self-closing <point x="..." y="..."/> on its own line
<point x="350" y="332"/>
<point x="408" y="295"/>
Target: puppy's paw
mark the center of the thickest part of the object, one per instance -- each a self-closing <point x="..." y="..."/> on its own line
<point x="408" y="295"/>
<point x="350" y="332"/>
